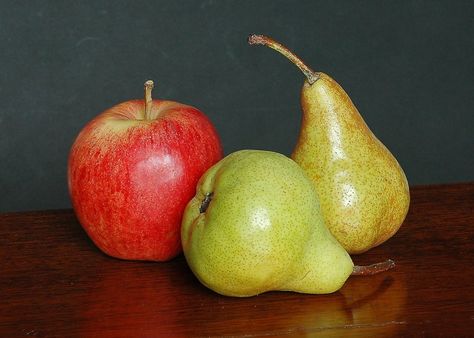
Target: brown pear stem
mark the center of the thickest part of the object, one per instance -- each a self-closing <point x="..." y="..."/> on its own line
<point x="148" y="99"/>
<point x="367" y="270"/>
<point x="310" y="74"/>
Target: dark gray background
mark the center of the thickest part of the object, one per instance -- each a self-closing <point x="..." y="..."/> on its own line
<point x="408" y="66"/>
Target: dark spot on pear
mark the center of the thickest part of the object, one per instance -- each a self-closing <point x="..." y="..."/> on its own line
<point x="205" y="203"/>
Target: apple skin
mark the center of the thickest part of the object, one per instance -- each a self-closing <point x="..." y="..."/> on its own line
<point x="130" y="178"/>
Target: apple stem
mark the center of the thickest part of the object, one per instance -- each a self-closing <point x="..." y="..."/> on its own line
<point x="310" y="74"/>
<point x="367" y="270"/>
<point x="148" y="99"/>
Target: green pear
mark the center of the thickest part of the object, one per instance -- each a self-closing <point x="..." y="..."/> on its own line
<point x="255" y="225"/>
<point x="363" y="190"/>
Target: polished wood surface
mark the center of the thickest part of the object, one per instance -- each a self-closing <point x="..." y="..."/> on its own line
<point x="55" y="282"/>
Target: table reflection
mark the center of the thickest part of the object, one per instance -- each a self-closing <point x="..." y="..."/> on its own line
<point x="138" y="299"/>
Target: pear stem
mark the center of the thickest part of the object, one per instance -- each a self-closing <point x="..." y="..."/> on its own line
<point x="310" y="74"/>
<point x="367" y="270"/>
<point x="148" y="99"/>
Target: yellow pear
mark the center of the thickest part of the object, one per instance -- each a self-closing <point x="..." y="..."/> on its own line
<point x="255" y="225"/>
<point x="363" y="190"/>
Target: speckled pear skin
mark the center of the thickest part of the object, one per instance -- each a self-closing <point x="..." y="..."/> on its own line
<point x="363" y="191"/>
<point x="262" y="230"/>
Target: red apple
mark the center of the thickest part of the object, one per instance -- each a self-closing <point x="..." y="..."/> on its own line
<point x="133" y="169"/>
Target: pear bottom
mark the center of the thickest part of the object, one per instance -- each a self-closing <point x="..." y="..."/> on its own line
<point x="325" y="266"/>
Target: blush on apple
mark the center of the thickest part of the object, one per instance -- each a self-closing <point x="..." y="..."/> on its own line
<point x="133" y="169"/>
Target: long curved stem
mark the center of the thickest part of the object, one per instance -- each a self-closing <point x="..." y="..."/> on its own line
<point x="367" y="270"/>
<point x="310" y="74"/>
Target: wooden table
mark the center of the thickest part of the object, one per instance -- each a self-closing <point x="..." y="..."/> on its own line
<point x="55" y="282"/>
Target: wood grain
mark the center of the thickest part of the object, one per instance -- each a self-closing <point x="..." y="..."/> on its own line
<point x="55" y="283"/>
